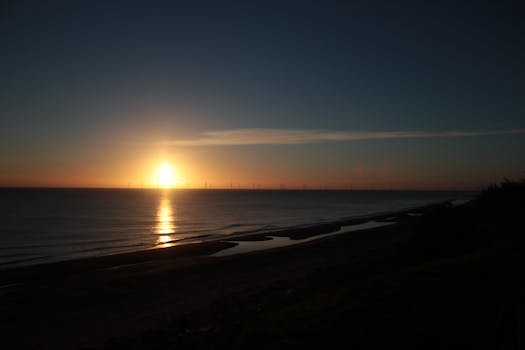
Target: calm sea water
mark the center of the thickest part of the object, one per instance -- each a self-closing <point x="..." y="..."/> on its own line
<point x="44" y="225"/>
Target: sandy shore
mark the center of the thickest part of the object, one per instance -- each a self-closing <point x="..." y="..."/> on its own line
<point x="83" y="303"/>
<point x="128" y="298"/>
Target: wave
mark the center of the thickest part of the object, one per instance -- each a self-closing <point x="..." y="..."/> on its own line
<point x="120" y="247"/>
<point x="53" y="225"/>
<point x="8" y="263"/>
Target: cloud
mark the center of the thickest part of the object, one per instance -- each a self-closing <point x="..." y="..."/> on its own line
<point x="261" y="136"/>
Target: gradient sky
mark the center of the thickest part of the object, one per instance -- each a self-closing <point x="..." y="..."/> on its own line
<point x="369" y="94"/>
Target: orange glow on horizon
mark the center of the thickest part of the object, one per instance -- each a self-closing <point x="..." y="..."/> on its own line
<point x="225" y="168"/>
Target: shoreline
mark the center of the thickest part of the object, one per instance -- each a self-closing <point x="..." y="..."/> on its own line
<point x="87" y="302"/>
<point x="185" y="298"/>
<point x="296" y="232"/>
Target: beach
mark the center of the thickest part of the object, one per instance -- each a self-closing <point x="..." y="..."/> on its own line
<point x="39" y="226"/>
<point x="185" y="297"/>
<point x="261" y="175"/>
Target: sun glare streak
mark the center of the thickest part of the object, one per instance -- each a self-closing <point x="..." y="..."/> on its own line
<point x="165" y="225"/>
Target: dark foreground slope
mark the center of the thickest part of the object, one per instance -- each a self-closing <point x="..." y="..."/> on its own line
<point x="454" y="283"/>
<point x="448" y="279"/>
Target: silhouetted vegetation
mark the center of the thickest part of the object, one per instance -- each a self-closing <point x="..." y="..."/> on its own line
<point x="508" y="195"/>
<point x="492" y="217"/>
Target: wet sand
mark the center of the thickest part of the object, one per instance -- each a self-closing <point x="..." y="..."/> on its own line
<point x="84" y="303"/>
<point x="94" y="302"/>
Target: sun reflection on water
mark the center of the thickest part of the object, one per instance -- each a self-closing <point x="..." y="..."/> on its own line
<point x="165" y="226"/>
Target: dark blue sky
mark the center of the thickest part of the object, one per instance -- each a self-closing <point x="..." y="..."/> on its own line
<point x="75" y="73"/>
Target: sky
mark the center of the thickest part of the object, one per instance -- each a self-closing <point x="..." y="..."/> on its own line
<point x="305" y="94"/>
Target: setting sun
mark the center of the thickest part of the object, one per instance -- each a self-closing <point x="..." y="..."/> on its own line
<point x="165" y="176"/>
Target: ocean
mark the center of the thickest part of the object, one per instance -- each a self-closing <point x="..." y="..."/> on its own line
<point x="46" y="225"/>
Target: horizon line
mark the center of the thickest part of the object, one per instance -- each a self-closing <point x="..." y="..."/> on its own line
<point x="269" y="188"/>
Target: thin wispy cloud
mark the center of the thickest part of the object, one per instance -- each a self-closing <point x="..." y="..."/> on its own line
<point x="260" y="136"/>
